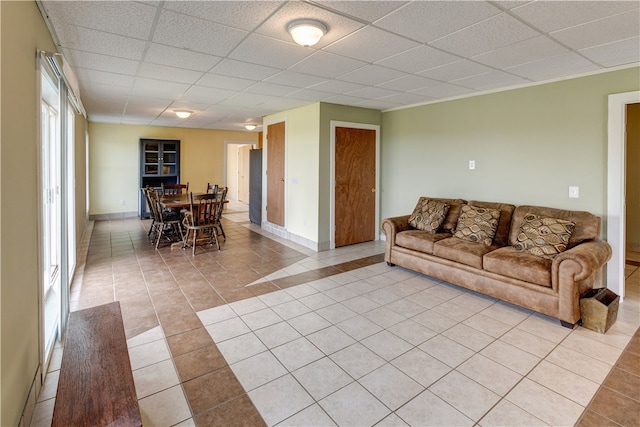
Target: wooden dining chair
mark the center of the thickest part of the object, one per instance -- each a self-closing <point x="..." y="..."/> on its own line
<point x="222" y="196"/>
<point x="170" y="189"/>
<point x="164" y="225"/>
<point x="200" y="222"/>
<point x="212" y="188"/>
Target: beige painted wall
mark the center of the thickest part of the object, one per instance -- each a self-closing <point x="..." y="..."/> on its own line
<point x="114" y="161"/>
<point x="529" y="145"/>
<point x="633" y="177"/>
<point x="22" y="33"/>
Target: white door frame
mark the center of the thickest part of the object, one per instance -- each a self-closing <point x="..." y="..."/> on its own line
<point x="332" y="176"/>
<point x="616" y="200"/>
<point x="226" y="149"/>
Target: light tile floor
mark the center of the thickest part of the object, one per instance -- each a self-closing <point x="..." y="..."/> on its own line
<point x="368" y="345"/>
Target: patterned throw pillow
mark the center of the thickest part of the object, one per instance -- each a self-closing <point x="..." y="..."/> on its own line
<point x="544" y="237"/>
<point x="477" y="224"/>
<point x="428" y="215"/>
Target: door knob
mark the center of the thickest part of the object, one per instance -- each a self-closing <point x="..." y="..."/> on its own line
<point x="373" y="190"/>
<point x="282" y="179"/>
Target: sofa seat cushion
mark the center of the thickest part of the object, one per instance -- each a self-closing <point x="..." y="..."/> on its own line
<point x="524" y="266"/>
<point x="462" y="251"/>
<point x="419" y="240"/>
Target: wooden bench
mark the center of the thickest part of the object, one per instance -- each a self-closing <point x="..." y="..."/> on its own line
<point x="96" y="383"/>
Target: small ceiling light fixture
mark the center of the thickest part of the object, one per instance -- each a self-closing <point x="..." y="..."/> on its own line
<point x="306" y="32"/>
<point x="250" y="126"/>
<point x="183" y="114"/>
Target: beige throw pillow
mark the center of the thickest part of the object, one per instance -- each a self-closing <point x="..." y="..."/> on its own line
<point x="428" y="215"/>
<point x="544" y="237"/>
<point x="477" y="224"/>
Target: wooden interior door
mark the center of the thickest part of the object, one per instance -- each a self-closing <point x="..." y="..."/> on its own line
<point x="355" y="191"/>
<point x="275" y="173"/>
<point x="243" y="173"/>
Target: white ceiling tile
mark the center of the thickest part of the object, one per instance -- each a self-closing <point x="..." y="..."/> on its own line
<point x="161" y="89"/>
<point x="521" y="52"/>
<point x="131" y="19"/>
<point x="202" y="36"/>
<point x="456" y="70"/>
<point x="327" y="65"/>
<point x="368" y="11"/>
<point x="247" y="99"/>
<point x="404" y="98"/>
<point x="290" y="78"/>
<point x="336" y="86"/>
<point x="616" y="53"/>
<point x="163" y="72"/>
<point x="378" y="104"/>
<point x="485" y="36"/>
<point x="206" y="94"/>
<point x="269" y="52"/>
<point x="264" y="88"/>
<point x="94" y="61"/>
<point x="102" y="43"/>
<point x="606" y="30"/>
<point x="102" y="77"/>
<point x="238" y="14"/>
<point x="425" y="21"/>
<point x="104" y="91"/>
<point x="244" y="70"/>
<point x="146" y="105"/>
<point x="225" y="82"/>
<point x="371" y="44"/>
<point x="104" y="118"/>
<point x="180" y="58"/>
<point x="550" y="16"/>
<point x="344" y="100"/>
<point x="371" y="92"/>
<point x="418" y="59"/>
<point x="549" y="68"/>
<point x="281" y="104"/>
<point x="337" y="26"/>
<point x="309" y="95"/>
<point x="372" y="75"/>
<point x="491" y="80"/>
<point x="407" y="83"/>
<point x="442" y="90"/>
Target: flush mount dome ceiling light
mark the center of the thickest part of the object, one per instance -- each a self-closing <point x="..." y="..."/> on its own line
<point x="183" y="114"/>
<point x="250" y="126"/>
<point x="306" y="32"/>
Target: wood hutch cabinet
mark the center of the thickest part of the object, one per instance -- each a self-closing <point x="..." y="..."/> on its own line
<point x="159" y="163"/>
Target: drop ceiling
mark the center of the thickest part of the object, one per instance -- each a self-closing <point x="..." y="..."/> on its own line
<point x="233" y="62"/>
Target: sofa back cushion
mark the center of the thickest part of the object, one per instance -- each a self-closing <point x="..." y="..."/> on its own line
<point x="587" y="225"/>
<point x="501" y="237"/>
<point x="451" y="219"/>
<point x="428" y="215"/>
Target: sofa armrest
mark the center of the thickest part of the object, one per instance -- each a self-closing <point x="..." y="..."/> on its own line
<point x="589" y="257"/>
<point x="574" y="272"/>
<point x="391" y="227"/>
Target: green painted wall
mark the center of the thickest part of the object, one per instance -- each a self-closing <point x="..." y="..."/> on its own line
<point x="328" y="113"/>
<point x="633" y="177"/>
<point x="308" y="152"/>
<point x="529" y="145"/>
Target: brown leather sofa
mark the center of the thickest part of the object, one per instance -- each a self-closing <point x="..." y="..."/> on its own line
<point x="549" y="286"/>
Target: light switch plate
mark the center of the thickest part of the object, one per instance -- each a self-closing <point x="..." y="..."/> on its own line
<point x="472" y="164"/>
<point x="574" y="192"/>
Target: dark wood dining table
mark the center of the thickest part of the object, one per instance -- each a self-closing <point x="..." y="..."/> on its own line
<point x="179" y="201"/>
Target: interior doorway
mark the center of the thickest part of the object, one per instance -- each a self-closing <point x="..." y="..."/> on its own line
<point x="236" y="171"/>
<point x="275" y="172"/>
<point x="616" y="187"/>
<point x="355" y="166"/>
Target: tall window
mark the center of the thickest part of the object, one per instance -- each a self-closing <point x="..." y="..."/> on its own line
<point x="51" y="212"/>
